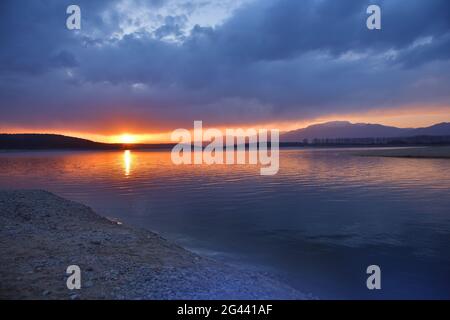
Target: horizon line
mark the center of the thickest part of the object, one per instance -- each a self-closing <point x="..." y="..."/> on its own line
<point x="76" y="136"/>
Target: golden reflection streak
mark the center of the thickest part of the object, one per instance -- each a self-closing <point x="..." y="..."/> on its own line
<point x="127" y="162"/>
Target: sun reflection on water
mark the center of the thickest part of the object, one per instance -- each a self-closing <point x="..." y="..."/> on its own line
<point x="127" y="162"/>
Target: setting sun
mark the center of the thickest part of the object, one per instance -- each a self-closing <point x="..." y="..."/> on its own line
<point x="127" y="138"/>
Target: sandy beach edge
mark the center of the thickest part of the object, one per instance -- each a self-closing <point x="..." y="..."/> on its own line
<point x="434" y="152"/>
<point x="42" y="234"/>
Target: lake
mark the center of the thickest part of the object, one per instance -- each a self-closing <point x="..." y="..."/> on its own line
<point x="316" y="225"/>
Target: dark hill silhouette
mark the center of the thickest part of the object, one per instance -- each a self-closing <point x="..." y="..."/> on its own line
<point x="440" y="129"/>
<point x="32" y="141"/>
<point x="48" y="141"/>
<point x="345" y="129"/>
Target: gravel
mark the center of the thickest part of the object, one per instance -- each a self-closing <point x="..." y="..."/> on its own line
<point x="42" y="234"/>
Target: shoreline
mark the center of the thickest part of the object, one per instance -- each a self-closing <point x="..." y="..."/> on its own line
<point x="42" y="234"/>
<point x="436" y="152"/>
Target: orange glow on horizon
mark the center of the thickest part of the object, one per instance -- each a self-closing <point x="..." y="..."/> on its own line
<point x="411" y="117"/>
<point x="127" y="138"/>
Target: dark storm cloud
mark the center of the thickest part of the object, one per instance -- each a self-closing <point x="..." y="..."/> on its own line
<point x="271" y="60"/>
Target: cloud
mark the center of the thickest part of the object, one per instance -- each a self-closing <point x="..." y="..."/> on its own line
<point x="166" y="63"/>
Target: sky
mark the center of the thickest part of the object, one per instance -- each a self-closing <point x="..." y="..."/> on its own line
<point x="148" y="67"/>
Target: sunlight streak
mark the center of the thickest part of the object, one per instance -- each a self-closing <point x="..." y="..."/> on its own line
<point x="127" y="162"/>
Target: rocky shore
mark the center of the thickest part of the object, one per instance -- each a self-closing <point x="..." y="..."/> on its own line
<point x="42" y="234"/>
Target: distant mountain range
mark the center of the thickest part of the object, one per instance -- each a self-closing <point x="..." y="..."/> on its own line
<point x="345" y="129"/>
<point x="328" y="130"/>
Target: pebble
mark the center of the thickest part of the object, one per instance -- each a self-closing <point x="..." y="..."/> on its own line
<point x="74" y="296"/>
